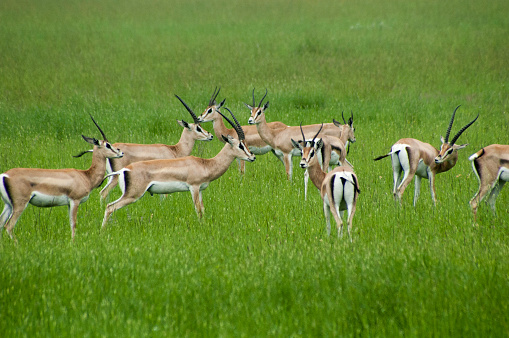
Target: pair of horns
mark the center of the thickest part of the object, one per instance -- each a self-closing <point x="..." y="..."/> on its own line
<point x="102" y="133"/>
<point x="212" y="100"/>
<point x="195" y="118"/>
<point x="455" y="138"/>
<point x="263" y="98"/>
<point x="304" y="137"/>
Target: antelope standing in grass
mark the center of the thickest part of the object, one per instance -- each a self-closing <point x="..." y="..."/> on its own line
<point x="189" y="173"/>
<point x="280" y="139"/>
<point x="253" y="140"/>
<point x="53" y="187"/>
<point x="339" y="188"/>
<point x="491" y="166"/>
<point x="411" y="157"/>
<point x="142" y="152"/>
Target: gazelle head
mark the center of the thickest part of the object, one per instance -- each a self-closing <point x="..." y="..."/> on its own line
<point x="197" y="131"/>
<point x="101" y="147"/>
<point x="211" y="112"/>
<point x="308" y="149"/>
<point x="448" y="149"/>
<point x="257" y="111"/>
<point x="241" y="151"/>
<point x="347" y="128"/>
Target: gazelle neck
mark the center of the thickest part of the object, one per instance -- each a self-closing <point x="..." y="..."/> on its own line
<point x="266" y="134"/>
<point x="185" y="144"/>
<point x="316" y="174"/>
<point x="97" y="169"/>
<point x="220" y="163"/>
<point x="219" y="126"/>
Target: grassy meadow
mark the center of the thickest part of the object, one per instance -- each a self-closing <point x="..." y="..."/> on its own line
<point x="260" y="262"/>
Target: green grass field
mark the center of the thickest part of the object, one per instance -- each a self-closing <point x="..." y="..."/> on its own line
<point x="260" y="263"/>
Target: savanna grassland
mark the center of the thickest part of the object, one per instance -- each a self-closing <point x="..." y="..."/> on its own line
<point x="260" y="262"/>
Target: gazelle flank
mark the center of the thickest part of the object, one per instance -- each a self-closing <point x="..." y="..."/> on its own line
<point x="253" y="140"/>
<point x="188" y="173"/>
<point x="280" y="139"/>
<point x="491" y="166"/>
<point x="339" y="188"/>
<point x="53" y="187"/>
<point x="411" y="157"/>
<point x="134" y="152"/>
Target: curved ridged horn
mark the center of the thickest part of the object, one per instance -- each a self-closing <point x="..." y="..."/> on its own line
<point x="350" y="120"/>
<point x="236" y="125"/>
<point x="462" y="130"/>
<point x="195" y="119"/>
<point x="102" y="133"/>
<point x="212" y="100"/>
<point x="303" y="137"/>
<point x="319" y="130"/>
<point x="260" y="104"/>
<point x="450" y="125"/>
<point x="343" y="116"/>
<point x="253" y="98"/>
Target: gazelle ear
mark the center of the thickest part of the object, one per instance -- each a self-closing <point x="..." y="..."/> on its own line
<point x="227" y="139"/>
<point x="460" y="146"/>
<point x="221" y="104"/>
<point x="266" y="105"/>
<point x="91" y="140"/>
<point x="336" y="123"/>
<point x="295" y="144"/>
<point x="442" y="139"/>
<point x="248" y="106"/>
<point x="184" y="124"/>
<point x="319" y="144"/>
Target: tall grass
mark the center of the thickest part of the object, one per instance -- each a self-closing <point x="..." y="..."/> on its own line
<point x="260" y="262"/>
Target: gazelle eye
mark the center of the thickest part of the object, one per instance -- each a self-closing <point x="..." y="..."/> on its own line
<point x="108" y="146"/>
<point x="311" y="154"/>
<point x="209" y="111"/>
<point x="241" y="147"/>
<point x="198" y="129"/>
<point x="258" y="112"/>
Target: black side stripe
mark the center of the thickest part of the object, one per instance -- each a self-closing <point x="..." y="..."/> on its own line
<point x="7" y="188"/>
<point x="478" y="168"/>
<point x="127" y="180"/>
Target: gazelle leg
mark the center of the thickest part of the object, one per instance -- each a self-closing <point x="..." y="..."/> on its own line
<point x="306" y="179"/>
<point x="73" y="212"/>
<point x="198" y="204"/>
<point x="288" y="166"/>
<point x="113" y="206"/>
<point x="417" y="188"/>
<point x="112" y="183"/>
<point x="242" y="166"/>
<point x="484" y="188"/>
<point x="326" y="212"/>
<point x="6" y="215"/>
<point x="494" y="194"/>
<point x="17" y="210"/>
<point x="396" y="172"/>
<point x="350" y="196"/>
<point x="432" y="186"/>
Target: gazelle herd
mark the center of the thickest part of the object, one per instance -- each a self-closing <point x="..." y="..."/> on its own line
<point x="164" y="169"/>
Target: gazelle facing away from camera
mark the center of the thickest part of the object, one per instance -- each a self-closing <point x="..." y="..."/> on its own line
<point x="491" y="166"/>
<point x="253" y="140"/>
<point x="188" y="173"/>
<point x="134" y="152"/>
<point x="411" y="157"/>
<point x="339" y="188"/>
<point x="53" y="187"/>
<point x="280" y="139"/>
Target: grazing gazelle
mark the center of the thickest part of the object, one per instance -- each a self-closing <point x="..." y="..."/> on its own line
<point x="339" y="188"/>
<point x="412" y="157"/>
<point x="280" y="139"/>
<point x="143" y="152"/>
<point x="53" y="187"/>
<point x="253" y="140"/>
<point x="491" y="165"/>
<point x="189" y="173"/>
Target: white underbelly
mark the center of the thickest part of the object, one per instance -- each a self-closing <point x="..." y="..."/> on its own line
<point x="43" y="200"/>
<point x="167" y="187"/>
<point x="260" y="150"/>
<point x="504" y="174"/>
<point x="422" y="170"/>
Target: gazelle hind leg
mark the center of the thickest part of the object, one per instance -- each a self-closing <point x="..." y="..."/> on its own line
<point x="326" y="212"/>
<point x="417" y="189"/>
<point x="6" y="215"/>
<point x="350" y="196"/>
<point x="112" y="183"/>
<point x="113" y="206"/>
<point x="306" y="180"/>
<point x="494" y="194"/>
<point x="17" y="210"/>
<point x="396" y="172"/>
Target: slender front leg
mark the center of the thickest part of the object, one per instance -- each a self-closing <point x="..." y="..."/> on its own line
<point x="431" y="176"/>
<point x="306" y="179"/>
<point x="73" y="213"/>
<point x="288" y="166"/>
<point x="417" y="189"/>
<point x="196" y="195"/>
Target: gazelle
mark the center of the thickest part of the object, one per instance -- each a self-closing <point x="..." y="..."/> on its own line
<point x="422" y="160"/>
<point x="253" y="140"/>
<point x="339" y="188"/>
<point x="280" y="139"/>
<point x="53" y="187"/>
<point x="189" y="173"/>
<point x="491" y="166"/>
<point x="142" y="152"/>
